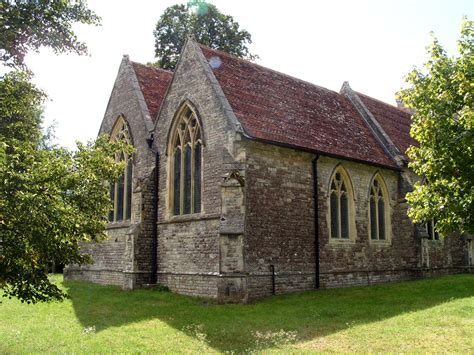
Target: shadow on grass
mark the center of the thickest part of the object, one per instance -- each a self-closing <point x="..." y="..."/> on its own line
<point x="285" y="318"/>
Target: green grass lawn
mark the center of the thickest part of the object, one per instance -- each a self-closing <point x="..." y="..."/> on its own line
<point x="435" y="315"/>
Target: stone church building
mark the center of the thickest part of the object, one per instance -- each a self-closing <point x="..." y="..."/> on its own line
<point x="247" y="182"/>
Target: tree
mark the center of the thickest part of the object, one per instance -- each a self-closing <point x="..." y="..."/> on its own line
<point x="28" y="25"/>
<point x="442" y="96"/>
<point x="51" y="199"/>
<point x="208" y="26"/>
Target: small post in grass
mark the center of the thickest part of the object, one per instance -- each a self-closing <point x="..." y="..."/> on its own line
<point x="272" y="269"/>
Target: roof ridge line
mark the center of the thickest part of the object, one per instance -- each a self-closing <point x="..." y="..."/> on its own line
<point x="152" y="67"/>
<point x="382" y="102"/>
<point x="374" y="126"/>
<point x="269" y="69"/>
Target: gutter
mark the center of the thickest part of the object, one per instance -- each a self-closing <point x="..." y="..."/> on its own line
<point x="315" y="187"/>
<point x="316" y="221"/>
<point x="317" y="152"/>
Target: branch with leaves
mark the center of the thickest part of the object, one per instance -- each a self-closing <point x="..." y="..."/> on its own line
<point x="206" y="24"/>
<point x="51" y="199"/>
<point x="442" y="95"/>
<point x="28" y="25"/>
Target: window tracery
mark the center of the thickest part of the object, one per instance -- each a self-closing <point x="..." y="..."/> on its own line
<point x="121" y="191"/>
<point x="186" y="159"/>
<point x="339" y="207"/>
<point x="378" y="210"/>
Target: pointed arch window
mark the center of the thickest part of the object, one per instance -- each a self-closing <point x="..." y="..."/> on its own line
<point x="378" y="210"/>
<point x="121" y="190"/>
<point x="340" y="202"/>
<point x="186" y="160"/>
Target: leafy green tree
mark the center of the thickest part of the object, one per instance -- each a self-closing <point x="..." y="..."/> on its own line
<point x="206" y="24"/>
<point x="28" y="25"/>
<point x="51" y="199"/>
<point x="442" y="96"/>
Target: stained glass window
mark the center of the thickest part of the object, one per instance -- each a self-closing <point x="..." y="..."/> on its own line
<point x="187" y="180"/>
<point x="339" y="208"/>
<point x="377" y="210"/>
<point x="197" y="178"/>
<point x="334" y="215"/>
<point x="177" y="180"/>
<point x="128" y="204"/>
<point x="121" y="190"/>
<point x="344" y="217"/>
<point x="112" y="199"/>
<point x="187" y="150"/>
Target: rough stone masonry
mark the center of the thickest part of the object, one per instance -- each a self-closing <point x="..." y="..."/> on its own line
<point x="272" y="147"/>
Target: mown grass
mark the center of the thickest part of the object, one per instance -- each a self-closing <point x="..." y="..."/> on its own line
<point x="435" y="315"/>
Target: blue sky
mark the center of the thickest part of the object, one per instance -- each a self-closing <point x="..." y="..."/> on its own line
<point x="371" y="44"/>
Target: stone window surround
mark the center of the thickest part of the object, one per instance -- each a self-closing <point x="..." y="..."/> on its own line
<point x="185" y="109"/>
<point x="387" y="211"/>
<point x="351" y="207"/>
<point x="121" y="131"/>
<point x="430" y="226"/>
<point x="470" y="251"/>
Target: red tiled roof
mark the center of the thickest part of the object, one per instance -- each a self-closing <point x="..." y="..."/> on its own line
<point x="153" y="82"/>
<point x="276" y="107"/>
<point x="395" y="122"/>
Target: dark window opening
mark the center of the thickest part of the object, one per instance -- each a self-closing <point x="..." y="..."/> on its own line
<point x="187" y="172"/>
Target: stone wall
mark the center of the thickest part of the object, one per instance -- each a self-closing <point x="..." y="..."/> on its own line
<point x="280" y="227"/>
<point x="109" y="260"/>
<point x="398" y="252"/>
<point x="445" y="253"/>
<point x="125" y="258"/>
<point x="191" y="284"/>
<point x="255" y="233"/>
<point x="189" y="245"/>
